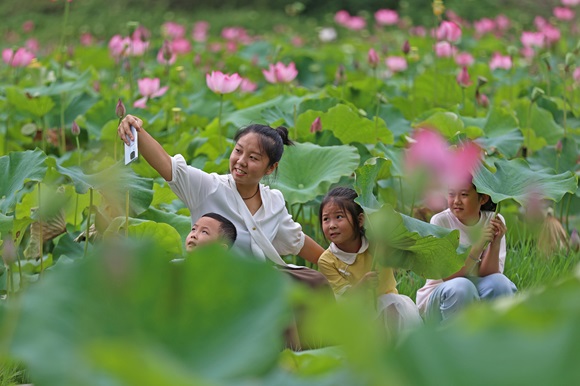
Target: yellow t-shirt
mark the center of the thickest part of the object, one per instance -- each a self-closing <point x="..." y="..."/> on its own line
<point x="342" y="276"/>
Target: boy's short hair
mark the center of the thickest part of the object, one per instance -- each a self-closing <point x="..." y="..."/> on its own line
<point x="227" y="228"/>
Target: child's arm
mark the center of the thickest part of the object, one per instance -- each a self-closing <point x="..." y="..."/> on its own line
<point x="149" y="148"/>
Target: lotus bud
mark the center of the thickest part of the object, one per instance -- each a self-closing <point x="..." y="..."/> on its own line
<point x="481" y="99"/>
<point x="575" y="241"/>
<point x="559" y="147"/>
<point x="406" y="47"/>
<point x="166" y="51"/>
<point x="463" y="78"/>
<point x="316" y="126"/>
<point x="9" y="251"/>
<point x="373" y="58"/>
<point x="120" y="109"/>
<point x="75" y="129"/>
<point x="537" y="94"/>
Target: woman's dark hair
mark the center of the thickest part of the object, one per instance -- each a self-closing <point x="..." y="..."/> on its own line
<point x="344" y="198"/>
<point x="227" y="228"/>
<point x="272" y="141"/>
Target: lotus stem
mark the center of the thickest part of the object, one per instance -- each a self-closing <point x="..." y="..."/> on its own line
<point x="41" y="237"/>
<point x="88" y="221"/>
<point x="222" y="139"/>
<point x="568" y="211"/>
<point x="127" y="213"/>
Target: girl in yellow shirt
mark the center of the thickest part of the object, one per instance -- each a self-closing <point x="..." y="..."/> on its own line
<point x="347" y="262"/>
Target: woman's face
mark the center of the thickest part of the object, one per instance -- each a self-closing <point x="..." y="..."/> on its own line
<point x="248" y="163"/>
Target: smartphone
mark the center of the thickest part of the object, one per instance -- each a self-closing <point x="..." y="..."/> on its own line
<point x="131" y="150"/>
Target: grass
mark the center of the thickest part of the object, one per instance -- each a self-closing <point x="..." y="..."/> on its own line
<point x="12" y="373"/>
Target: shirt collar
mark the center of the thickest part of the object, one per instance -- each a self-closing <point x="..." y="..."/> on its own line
<point x="346" y="257"/>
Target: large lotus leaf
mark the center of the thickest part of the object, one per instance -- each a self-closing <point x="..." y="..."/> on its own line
<point x="395" y="155"/>
<point x="307" y="170"/>
<point x="113" y="182"/>
<point x="562" y="161"/>
<point x="503" y="336"/>
<point x="395" y="120"/>
<point x="366" y="179"/>
<point x="38" y="106"/>
<point x="404" y="242"/>
<point x="164" y="235"/>
<point x="244" y="117"/>
<point x="501" y="129"/>
<point x="515" y="180"/>
<point x="213" y="317"/>
<point x="349" y="126"/>
<point x="447" y="123"/>
<point x="17" y="168"/>
<point x="540" y="121"/>
<point x="82" y="82"/>
<point x="181" y="223"/>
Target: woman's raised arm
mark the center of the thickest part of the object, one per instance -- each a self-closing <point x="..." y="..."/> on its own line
<point x="149" y="148"/>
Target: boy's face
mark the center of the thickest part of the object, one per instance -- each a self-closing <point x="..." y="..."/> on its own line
<point x="205" y="230"/>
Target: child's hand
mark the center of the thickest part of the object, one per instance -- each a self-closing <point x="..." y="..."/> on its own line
<point x="498" y="228"/>
<point x="124" y="128"/>
<point x="369" y="280"/>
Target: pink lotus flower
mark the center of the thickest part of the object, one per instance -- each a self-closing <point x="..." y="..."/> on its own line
<point x="576" y="75"/>
<point x="355" y="23"/>
<point x="463" y="79"/>
<point x="200" y="30"/>
<point x="386" y="17"/>
<point x="28" y="26"/>
<point x="444" y="49"/>
<point x="173" y="30"/>
<point x="181" y="46"/>
<point x="32" y="45"/>
<point x="373" y="58"/>
<point x="148" y="88"/>
<point x="528" y="52"/>
<point x="279" y="73"/>
<point x="86" y="39"/>
<point x="570" y="3"/>
<point x="236" y="34"/>
<point x="141" y="33"/>
<point x="502" y="22"/>
<point x="429" y="151"/>
<point x="19" y="58"/>
<point x="221" y="83"/>
<point x="418" y="31"/>
<point x="464" y="59"/>
<point x="539" y="22"/>
<point x="532" y="39"/>
<point x="551" y="34"/>
<point x="396" y="63"/>
<point x="564" y="14"/>
<point x="500" y="61"/>
<point x="484" y="26"/>
<point x="248" y="86"/>
<point x="166" y="56"/>
<point x="125" y="46"/>
<point x="448" y="31"/>
<point x="316" y="125"/>
<point x="341" y="17"/>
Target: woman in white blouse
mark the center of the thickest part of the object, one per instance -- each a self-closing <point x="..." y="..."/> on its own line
<point x="265" y="228"/>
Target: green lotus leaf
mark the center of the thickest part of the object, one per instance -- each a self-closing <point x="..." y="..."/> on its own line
<point x="501" y="129"/>
<point x="6" y="223"/>
<point x="113" y="182"/>
<point x="349" y="126"/>
<point x="39" y="106"/>
<point x="540" y="121"/>
<point x="404" y="242"/>
<point x="17" y="168"/>
<point x="164" y="235"/>
<point x="509" y="331"/>
<point x="366" y="178"/>
<point x="181" y="223"/>
<point x="205" y="318"/>
<point x="447" y="123"/>
<point x="515" y="180"/>
<point x="307" y="170"/>
<point x="244" y="117"/>
<point x="549" y="157"/>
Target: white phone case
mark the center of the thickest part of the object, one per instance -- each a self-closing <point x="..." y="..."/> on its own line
<point x="131" y="150"/>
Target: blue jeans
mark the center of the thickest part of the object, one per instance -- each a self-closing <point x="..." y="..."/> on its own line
<point x="453" y="295"/>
